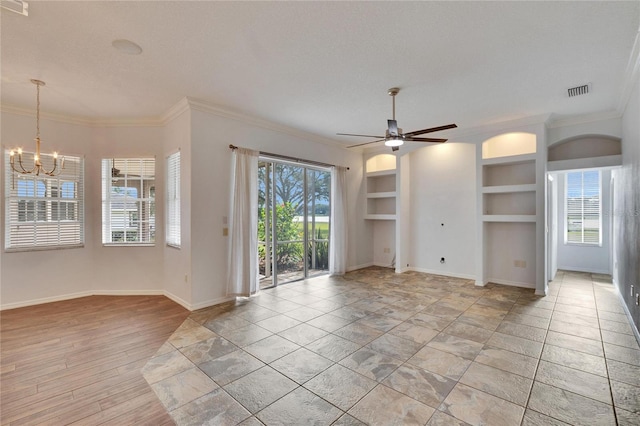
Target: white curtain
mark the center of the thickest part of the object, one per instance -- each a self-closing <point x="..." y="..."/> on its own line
<point x="243" y="224"/>
<point x="338" y="238"/>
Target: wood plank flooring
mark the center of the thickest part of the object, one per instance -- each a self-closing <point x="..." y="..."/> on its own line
<point x="78" y="361"/>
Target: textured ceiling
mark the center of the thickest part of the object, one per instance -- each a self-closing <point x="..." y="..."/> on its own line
<point x="322" y="67"/>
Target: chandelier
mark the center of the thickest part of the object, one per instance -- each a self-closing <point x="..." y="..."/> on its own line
<point x="37" y="163"/>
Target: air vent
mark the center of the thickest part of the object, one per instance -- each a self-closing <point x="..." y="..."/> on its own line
<point x="579" y="90"/>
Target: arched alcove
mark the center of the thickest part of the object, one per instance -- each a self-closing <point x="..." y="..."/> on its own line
<point x="509" y="144"/>
<point x="381" y="162"/>
<point x="584" y="146"/>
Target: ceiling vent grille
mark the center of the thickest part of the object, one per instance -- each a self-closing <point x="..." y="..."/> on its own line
<point x="579" y="90"/>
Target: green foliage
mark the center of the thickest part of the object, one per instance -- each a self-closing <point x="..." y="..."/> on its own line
<point x="287" y="255"/>
<point x="322" y="250"/>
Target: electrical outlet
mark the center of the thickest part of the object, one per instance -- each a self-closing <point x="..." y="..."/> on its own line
<point x="520" y="263"/>
<point x="387" y="250"/>
<point x="225" y="232"/>
<point x="442" y="260"/>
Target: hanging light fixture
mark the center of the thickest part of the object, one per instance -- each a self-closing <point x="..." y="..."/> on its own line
<point x="37" y="163"/>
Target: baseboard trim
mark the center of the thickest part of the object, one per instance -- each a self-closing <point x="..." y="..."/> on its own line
<point x="636" y="333"/>
<point x="511" y="283"/>
<point x="361" y="266"/>
<point x="442" y="273"/>
<point x="70" y="296"/>
<point x="589" y="270"/>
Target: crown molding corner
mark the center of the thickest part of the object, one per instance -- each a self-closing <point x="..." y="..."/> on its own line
<point x="175" y="111"/>
<point x="631" y="75"/>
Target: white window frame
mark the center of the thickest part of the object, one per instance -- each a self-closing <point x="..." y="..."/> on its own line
<point x="137" y="204"/>
<point x="582" y="200"/>
<point x="30" y="219"/>
<point x="173" y="230"/>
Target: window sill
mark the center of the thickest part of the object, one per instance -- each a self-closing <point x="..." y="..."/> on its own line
<point x="592" y="245"/>
<point x="47" y="248"/>
<point x="174" y="246"/>
<point x="128" y="245"/>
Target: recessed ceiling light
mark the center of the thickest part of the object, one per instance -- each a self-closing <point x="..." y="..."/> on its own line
<point x="127" y="46"/>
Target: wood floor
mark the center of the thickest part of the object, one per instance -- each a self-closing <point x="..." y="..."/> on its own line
<point x="79" y="361"/>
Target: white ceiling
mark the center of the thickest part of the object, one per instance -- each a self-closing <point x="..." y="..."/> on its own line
<point x="322" y="67"/>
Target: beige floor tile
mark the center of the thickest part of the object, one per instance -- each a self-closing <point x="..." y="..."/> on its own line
<point x="184" y="387"/>
<point x="621" y="339"/>
<point x="479" y="408"/>
<point x="260" y="388"/>
<point x="328" y="322"/>
<point x="230" y="367"/>
<point x="415" y="333"/>
<point x="299" y="407"/>
<point x="333" y="347"/>
<point x="626" y="396"/>
<point x="394" y="346"/>
<point x="574" y="359"/>
<point x="166" y="365"/>
<point x="209" y="349"/>
<point x="216" y="407"/>
<point x="371" y="364"/>
<point x="303" y="334"/>
<point x="509" y="361"/>
<point x="456" y="345"/>
<point x="348" y="420"/>
<point x="278" y="323"/>
<point x="576" y="381"/>
<point x="301" y="365"/>
<point x="439" y="362"/>
<point x="340" y="386"/>
<point x="469" y="332"/>
<point x="533" y="418"/>
<point x="521" y="330"/>
<point x="505" y="385"/>
<point x="358" y="333"/>
<point x="515" y="344"/>
<point x="384" y="406"/>
<point x="575" y="343"/>
<point x="269" y="349"/>
<point x="442" y="419"/>
<point x="430" y="321"/>
<point x="429" y="388"/>
<point x="569" y="407"/>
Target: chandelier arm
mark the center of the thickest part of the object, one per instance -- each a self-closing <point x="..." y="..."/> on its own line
<point x="24" y="171"/>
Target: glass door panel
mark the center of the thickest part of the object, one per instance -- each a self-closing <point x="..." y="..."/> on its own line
<point x="318" y="213"/>
<point x="289" y="195"/>
<point x="293" y="222"/>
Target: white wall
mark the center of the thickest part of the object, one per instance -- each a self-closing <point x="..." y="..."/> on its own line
<point x="443" y="191"/>
<point x="211" y="135"/>
<point x="574" y="257"/>
<point x="38" y="276"/>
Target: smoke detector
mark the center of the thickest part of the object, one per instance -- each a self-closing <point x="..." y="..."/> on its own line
<point x="579" y="90"/>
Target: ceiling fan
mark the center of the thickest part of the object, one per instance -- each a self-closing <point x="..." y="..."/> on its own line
<point x="393" y="136"/>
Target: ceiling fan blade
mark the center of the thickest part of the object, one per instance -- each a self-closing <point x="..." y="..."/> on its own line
<point x="363" y="136"/>
<point x="393" y="127"/>
<point x="366" y="143"/>
<point x="430" y="130"/>
<point x="410" y="139"/>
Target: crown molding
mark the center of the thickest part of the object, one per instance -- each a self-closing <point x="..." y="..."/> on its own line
<point x="585" y="118"/>
<point x="175" y="111"/>
<point x="259" y="122"/>
<point x="84" y="121"/>
<point x="631" y="75"/>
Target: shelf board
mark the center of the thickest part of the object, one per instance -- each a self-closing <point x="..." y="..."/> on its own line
<point x="503" y="189"/>
<point x="512" y="159"/>
<point x="391" y="194"/>
<point x="380" y="216"/>
<point x="382" y="173"/>
<point x="509" y="218"/>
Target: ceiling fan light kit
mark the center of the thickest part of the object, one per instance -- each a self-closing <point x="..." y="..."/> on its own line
<point x="394" y="137"/>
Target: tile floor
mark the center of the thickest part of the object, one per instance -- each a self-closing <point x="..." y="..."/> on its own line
<point x="378" y="348"/>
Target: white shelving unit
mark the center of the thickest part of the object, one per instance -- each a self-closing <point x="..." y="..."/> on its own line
<point x="381" y="195"/>
<point x="510" y="187"/>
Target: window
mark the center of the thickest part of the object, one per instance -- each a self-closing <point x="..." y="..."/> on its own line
<point x="173" y="200"/>
<point x="128" y="201"/>
<point x="583" y="208"/>
<point x="43" y="211"/>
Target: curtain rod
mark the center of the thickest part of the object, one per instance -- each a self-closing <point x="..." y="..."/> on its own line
<point x="285" y="157"/>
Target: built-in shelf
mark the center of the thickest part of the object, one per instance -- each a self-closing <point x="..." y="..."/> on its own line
<point x="382" y="173"/>
<point x="505" y="189"/>
<point x="382" y="194"/>
<point x="512" y="159"/>
<point x="509" y="218"/>
<point x="380" y="216"/>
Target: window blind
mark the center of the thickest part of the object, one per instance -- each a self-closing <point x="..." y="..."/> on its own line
<point x="128" y="201"/>
<point x="42" y="211"/>
<point x="583" y="207"/>
<point x="173" y="200"/>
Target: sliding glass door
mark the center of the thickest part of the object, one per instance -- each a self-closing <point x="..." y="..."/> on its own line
<point x="293" y="221"/>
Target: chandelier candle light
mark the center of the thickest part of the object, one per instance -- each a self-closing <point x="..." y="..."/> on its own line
<point x="37" y="164"/>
